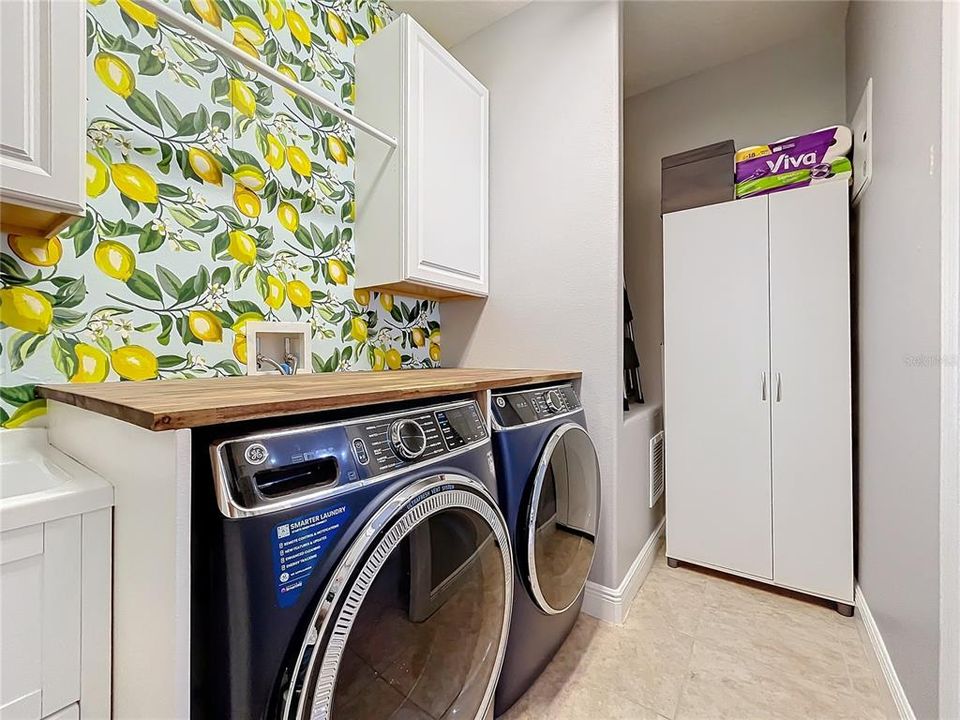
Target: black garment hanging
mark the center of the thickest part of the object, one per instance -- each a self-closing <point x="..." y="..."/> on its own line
<point x="632" y="390"/>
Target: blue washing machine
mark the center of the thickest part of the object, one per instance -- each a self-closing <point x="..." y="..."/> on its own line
<point x="350" y="569"/>
<point x="548" y="483"/>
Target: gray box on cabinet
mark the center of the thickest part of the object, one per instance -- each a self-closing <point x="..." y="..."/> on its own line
<point x="703" y="176"/>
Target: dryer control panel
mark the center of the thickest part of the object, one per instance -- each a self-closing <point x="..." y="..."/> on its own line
<point x="256" y="472"/>
<point x="527" y="406"/>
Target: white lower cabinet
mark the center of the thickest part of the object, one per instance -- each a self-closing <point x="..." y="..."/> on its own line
<point x="54" y="626"/>
<point x="757" y="388"/>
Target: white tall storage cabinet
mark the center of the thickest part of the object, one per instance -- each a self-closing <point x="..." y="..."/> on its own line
<point x="757" y="388"/>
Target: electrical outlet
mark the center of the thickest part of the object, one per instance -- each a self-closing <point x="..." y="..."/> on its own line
<point x="275" y="341"/>
<point x="862" y="129"/>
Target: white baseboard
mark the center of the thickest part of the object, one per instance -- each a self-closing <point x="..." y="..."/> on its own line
<point x="883" y="658"/>
<point x="611" y="604"/>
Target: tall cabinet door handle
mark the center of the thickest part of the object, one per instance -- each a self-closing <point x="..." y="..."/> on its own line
<point x="763" y="385"/>
<point x="779" y="388"/>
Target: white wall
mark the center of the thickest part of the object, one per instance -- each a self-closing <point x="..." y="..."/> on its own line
<point x="792" y="88"/>
<point x="553" y="73"/>
<point x="898" y="295"/>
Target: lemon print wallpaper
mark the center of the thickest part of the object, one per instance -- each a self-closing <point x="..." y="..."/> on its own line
<point x="214" y="198"/>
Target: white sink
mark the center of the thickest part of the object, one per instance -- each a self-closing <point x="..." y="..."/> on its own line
<point x="39" y="483"/>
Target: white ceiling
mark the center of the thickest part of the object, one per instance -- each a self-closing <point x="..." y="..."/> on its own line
<point x="665" y="40"/>
<point x="452" y="21"/>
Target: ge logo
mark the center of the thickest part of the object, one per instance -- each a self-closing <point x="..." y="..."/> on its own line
<point x="255" y="454"/>
<point x="284" y="577"/>
<point x="501" y="402"/>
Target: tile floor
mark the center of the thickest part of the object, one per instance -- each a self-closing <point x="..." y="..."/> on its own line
<point x="698" y="644"/>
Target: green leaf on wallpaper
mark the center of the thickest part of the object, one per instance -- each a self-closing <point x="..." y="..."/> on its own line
<point x="166" y="325"/>
<point x="219" y="88"/>
<point x="132" y="206"/>
<point x="64" y="318"/>
<point x="17" y="394"/>
<point x="170" y="191"/>
<point x="184" y="215"/>
<point x="71" y="293"/>
<point x="168" y="110"/>
<point x="166" y="362"/>
<point x="22" y="346"/>
<point x="64" y="357"/>
<point x="150" y="239"/>
<point x="144" y="108"/>
<point x="242" y="306"/>
<point x="149" y="64"/>
<point x="169" y="282"/>
<point x="144" y="285"/>
<point x="186" y="334"/>
<point x="303" y="237"/>
<point x="231" y="367"/>
<point x="221" y="276"/>
<point x="10" y="271"/>
<point x="220" y="120"/>
<point x="166" y="155"/>
<point x="4" y="416"/>
<point x="219" y="245"/>
<point x="118" y="43"/>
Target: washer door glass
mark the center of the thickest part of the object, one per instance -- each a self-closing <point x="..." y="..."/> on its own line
<point x="418" y="624"/>
<point x="562" y="518"/>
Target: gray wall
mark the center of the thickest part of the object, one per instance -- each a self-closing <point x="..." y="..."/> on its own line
<point x="792" y="88"/>
<point x="898" y="299"/>
<point x="552" y="69"/>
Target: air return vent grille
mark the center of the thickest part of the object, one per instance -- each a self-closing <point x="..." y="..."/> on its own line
<point x="656" y="468"/>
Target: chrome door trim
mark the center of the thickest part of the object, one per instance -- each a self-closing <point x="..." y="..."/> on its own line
<point x="403" y="512"/>
<point x="532" y="581"/>
<point x="230" y="508"/>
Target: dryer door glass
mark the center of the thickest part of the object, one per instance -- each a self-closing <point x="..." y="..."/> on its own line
<point x="561" y="519"/>
<point x="416" y="625"/>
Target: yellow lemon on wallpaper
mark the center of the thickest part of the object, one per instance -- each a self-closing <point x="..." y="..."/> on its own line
<point x="418" y="337"/>
<point x="134" y="182"/>
<point x="358" y="329"/>
<point x="93" y="365"/>
<point x="386" y="301"/>
<point x="378" y="23"/>
<point x="96" y="2"/>
<point x="36" y="249"/>
<point x="274" y="156"/>
<point x="205" y="165"/>
<point x="275" y="14"/>
<point x="379" y="359"/>
<point x="289" y="72"/>
<point x="208" y="10"/>
<point x="299" y="294"/>
<point x="338" y="271"/>
<point x="242" y="97"/>
<point x="25" y="309"/>
<point x="351" y="211"/>
<point x="115" y="74"/>
<point x="250" y="29"/>
<point x="288" y="216"/>
<point x="435" y="335"/>
<point x="275" y="292"/>
<point x="298" y="27"/>
<point x="135" y="12"/>
<point x="242" y="247"/>
<point x="240" y="324"/>
<point x="336" y="27"/>
<point x="115" y="259"/>
<point x="239" y="41"/>
<point x="337" y="150"/>
<point x="247" y="202"/>
<point x="299" y="161"/>
<point x="352" y="95"/>
<point x="133" y="362"/>
<point x="251" y="177"/>
<point x="434" y="352"/>
<point x="240" y="348"/>
<point x="393" y="359"/>
<point x="205" y="326"/>
<point x="362" y="297"/>
<point x="97" y="176"/>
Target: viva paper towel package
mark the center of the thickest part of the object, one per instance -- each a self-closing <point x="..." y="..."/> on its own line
<point x="794" y="162"/>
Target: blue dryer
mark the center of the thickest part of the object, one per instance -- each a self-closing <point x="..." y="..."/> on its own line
<point x="351" y="569"/>
<point x="548" y="483"/>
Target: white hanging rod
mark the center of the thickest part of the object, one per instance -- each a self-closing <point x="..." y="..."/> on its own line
<point x="217" y="43"/>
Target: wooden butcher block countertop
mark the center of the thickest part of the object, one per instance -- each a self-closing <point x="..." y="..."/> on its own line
<point x="172" y="404"/>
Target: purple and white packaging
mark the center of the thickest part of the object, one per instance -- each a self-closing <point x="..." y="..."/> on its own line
<point x="802" y="152"/>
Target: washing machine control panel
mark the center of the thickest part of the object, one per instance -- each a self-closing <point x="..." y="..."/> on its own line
<point x="527" y="406"/>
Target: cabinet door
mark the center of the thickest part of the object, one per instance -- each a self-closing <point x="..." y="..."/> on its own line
<point x="44" y="104"/>
<point x="810" y="359"/>
<point x="446" y="163"/>
<point x="716" y="384"/>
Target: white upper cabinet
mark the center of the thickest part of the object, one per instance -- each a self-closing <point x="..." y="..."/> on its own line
<point x="43" y="114"/>
<point x="421" y="209"/>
